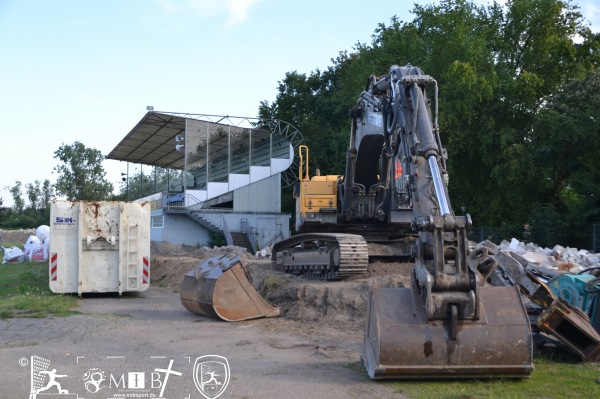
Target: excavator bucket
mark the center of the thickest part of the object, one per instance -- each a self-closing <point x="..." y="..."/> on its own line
<point x="221" y="287"/>
<point x="400" y="343"/>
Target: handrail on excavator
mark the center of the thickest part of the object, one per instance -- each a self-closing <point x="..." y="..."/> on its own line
<point x="303" y="166"/>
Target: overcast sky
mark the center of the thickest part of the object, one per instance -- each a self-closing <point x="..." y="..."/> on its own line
<point x="82" y="70"/>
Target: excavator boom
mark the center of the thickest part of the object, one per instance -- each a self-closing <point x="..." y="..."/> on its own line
<point x="447" y="324"/>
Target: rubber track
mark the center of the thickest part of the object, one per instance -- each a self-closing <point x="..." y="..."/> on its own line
<point x="354" y="253"/>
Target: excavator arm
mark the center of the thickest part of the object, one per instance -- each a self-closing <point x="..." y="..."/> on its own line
<point x="409" y="136"/>
<point x="447" y="325"/>
<point x="442" y="272"/>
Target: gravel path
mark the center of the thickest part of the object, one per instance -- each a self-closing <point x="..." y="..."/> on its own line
<point x="133" y="334"/>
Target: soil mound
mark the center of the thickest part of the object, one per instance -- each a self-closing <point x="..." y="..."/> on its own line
<point x="340" y="304"/>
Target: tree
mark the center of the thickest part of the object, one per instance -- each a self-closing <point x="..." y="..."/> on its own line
<point x="34" y="194"/>
<point x="39" y="196"/>
<point x="302" y="101"/>
<point x="564" y="146"/>
<point x="4" y="212"/>
<point x="16" y="193"/>
<point x="47" y="193"/>
<point x="81" y="174"/>
<point x="498" y="68"/>
<point x="37" y="211"/>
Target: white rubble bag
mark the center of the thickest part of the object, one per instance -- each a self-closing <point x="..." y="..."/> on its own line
<point x="13" y="255"/>
<point x="42" y="232"/>
<point x="31" y="242"/>
<point x="37" y="253"/>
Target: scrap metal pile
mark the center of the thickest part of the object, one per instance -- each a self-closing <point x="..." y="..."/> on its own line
<point x="560" y="289"/>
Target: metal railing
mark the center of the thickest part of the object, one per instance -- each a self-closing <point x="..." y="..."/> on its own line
<point x="181" y="202"/>
<point x="251" y="233"/>
<point x="227" y="233"/>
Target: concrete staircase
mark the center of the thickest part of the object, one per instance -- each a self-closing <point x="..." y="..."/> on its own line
<point x="198" y="217"/>
<point x="241" y="240"/>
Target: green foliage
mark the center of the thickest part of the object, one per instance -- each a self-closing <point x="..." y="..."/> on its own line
<point x="35" y="214"/>
<point x="16" y="193"/>
<point x="216" y="239"/>
<point x="4" y="212"/>
<point x="21" y="221"/>
<point x="81" y="174"/>
<point x="81" y="177"/>
<point x="518" y="109"/>
<point x="24" y="292"/>
<point x="270" y="285"/>
<point x="564" y="148"/>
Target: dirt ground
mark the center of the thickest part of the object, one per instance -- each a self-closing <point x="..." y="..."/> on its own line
<point x="339" y="304"/>
<point x="334" y="303"/>
<point x="312" y="350"/>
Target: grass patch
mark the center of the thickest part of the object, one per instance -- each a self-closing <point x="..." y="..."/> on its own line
<point x="24" y="292"/>
<point x="161" y="283"/>
<point x="557" y="375"/>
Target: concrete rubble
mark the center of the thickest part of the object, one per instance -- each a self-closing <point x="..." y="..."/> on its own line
<point x="572" y="260"/>
<point x="560" y="288"/>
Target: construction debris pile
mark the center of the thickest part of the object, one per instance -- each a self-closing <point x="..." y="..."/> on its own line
<point x="35" y="248"/>
<point x="566" y="259"/>
<point x="560" y="288"/>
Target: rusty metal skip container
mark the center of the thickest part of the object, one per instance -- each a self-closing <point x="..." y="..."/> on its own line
<point x="221" y="287"/>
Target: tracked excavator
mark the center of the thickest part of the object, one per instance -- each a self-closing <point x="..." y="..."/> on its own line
<point x="393" y="201"/>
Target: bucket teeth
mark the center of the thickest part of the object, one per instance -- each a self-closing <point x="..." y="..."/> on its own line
<point x="220" y="287"/>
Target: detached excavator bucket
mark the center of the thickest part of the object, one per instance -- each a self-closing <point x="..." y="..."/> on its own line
<point x="400" y="343"/>
<point x="221" y="287"/>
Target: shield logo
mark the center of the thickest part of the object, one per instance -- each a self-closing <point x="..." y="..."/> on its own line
<point x="211" y="375"/>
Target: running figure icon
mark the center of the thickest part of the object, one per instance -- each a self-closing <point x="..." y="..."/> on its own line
<point x="212" y="378"/>
<point x="52" y="382"/>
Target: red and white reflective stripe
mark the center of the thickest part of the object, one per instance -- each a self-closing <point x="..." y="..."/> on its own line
<point x="54" y="267"/>
<point x="146" y="271"/>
